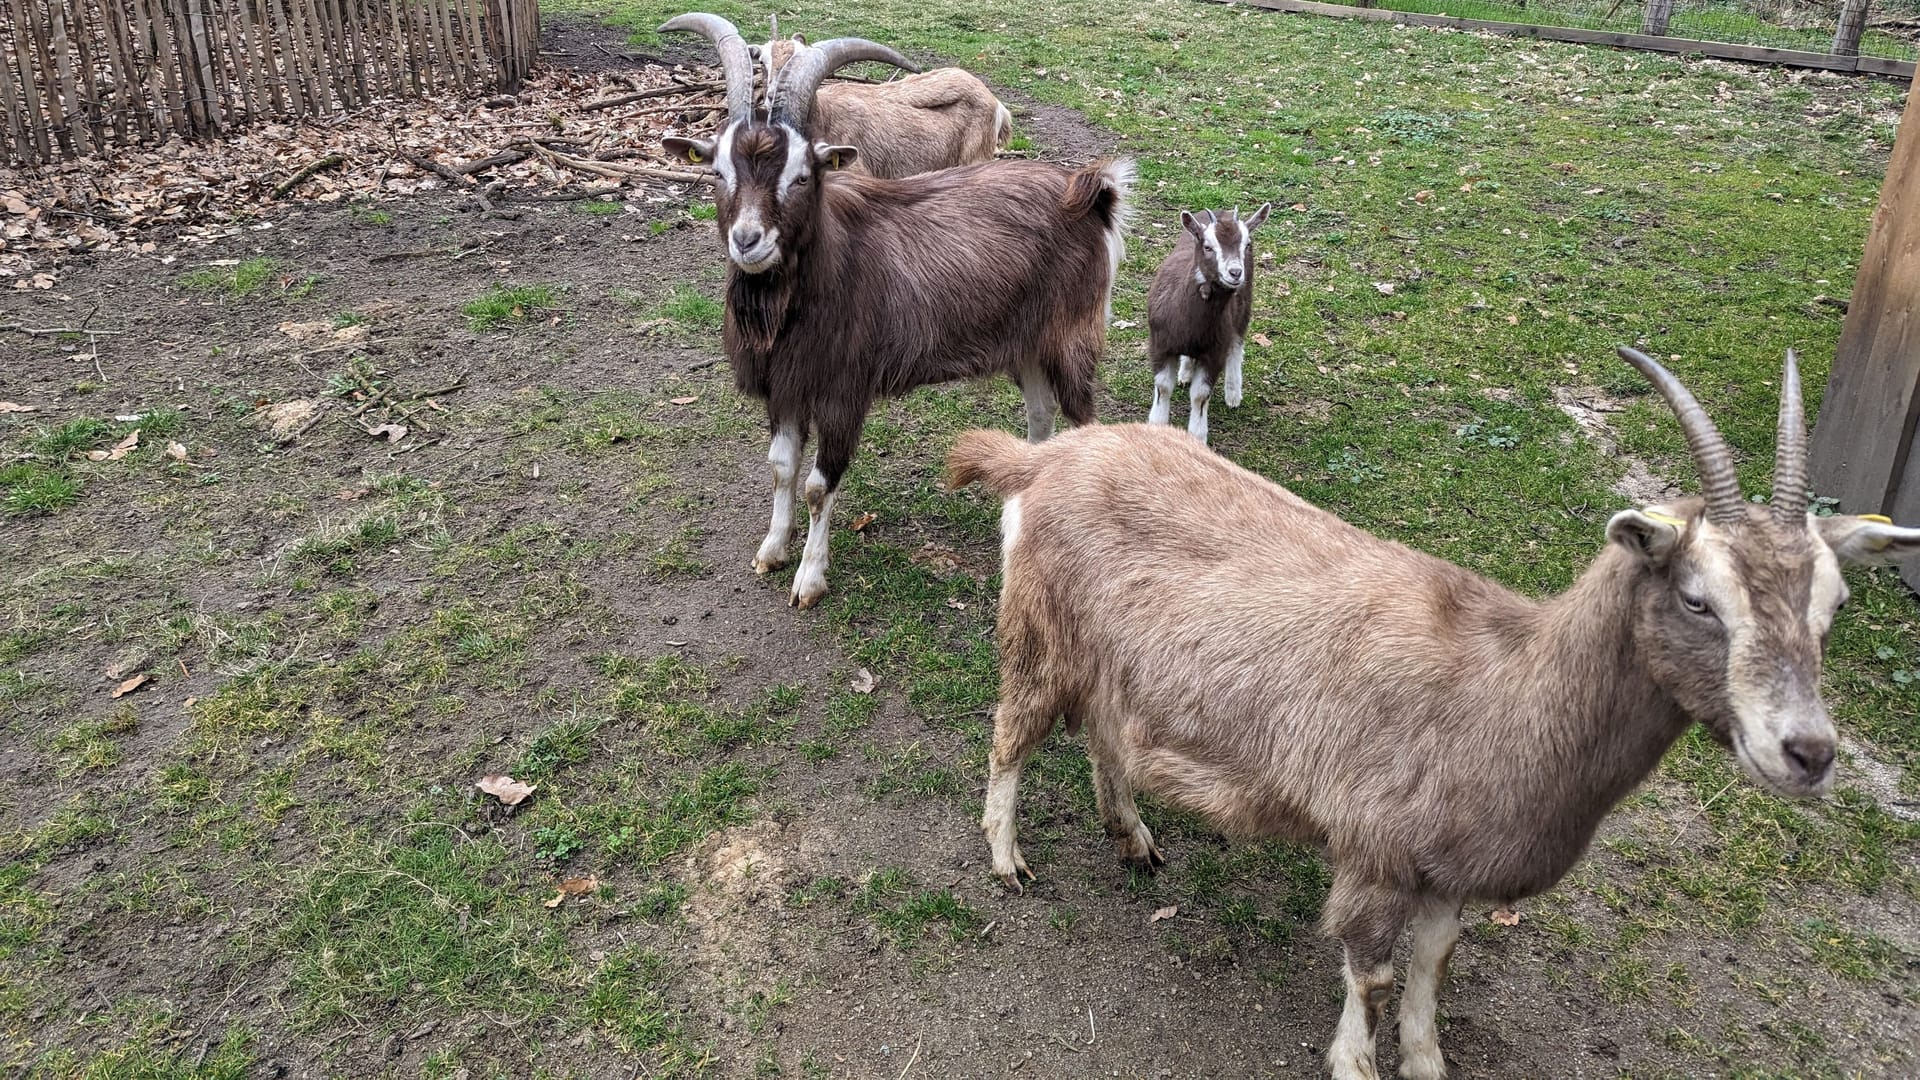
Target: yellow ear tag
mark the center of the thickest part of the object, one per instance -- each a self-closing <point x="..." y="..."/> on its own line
<point x="1664" y="519"/>
<point x="1882" y="519"/>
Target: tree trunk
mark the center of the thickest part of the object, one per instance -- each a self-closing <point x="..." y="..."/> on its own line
<point x="1853" y="21"/>
<point x="1654" y="22"/>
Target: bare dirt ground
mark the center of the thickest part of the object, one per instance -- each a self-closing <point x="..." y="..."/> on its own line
<point x="341" y="633"/>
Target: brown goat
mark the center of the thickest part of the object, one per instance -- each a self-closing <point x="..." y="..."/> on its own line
<point x="932" y="120"/>
<point x="842" y="289"/>
<point x="1197" y="313"/>
<point x="1444" y="738"/>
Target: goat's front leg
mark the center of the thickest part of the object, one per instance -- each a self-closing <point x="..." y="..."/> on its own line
<point x="1367" y="918"/>
<point x="1230" y="385"/>
<point x="784" y="456"/>
<point x="823" y="486"/>
<point x="1041" y="405"/>
<point x="1436" y="927"/>
<point x="1162" y="410"/>
<point x="1198" y="396"/>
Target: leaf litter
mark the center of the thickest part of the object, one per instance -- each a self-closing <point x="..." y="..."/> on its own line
<point x="509" y="791"/>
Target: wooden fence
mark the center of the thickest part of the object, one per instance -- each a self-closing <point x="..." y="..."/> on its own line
<point x="79" y="77"/>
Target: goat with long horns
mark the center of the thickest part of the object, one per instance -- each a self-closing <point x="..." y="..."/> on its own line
<point x="844" y="288"/>
<point x="1444" y="739"/>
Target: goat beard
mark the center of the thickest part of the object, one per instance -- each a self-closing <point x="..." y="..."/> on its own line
<point x="757" y="307"/>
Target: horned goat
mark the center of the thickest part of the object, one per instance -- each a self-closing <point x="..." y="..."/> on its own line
<point x="1445" y="739"/>
<point x="843" y="288"/>
<point x="1197" y="313"/>
<point x="931" y="120"/>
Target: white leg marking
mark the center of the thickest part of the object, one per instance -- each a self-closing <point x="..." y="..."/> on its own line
<point x="1186" y="369"/>
<point x="810" y="582"/>
<point x="1162" y="410"/>
<point x="1003" y="790"/>
<point x="1235" y="358"/>
<point x="1040" y="406"/>
<point x="784" y="456"/>
<point x="1436" y="926"/>
<point x="1351" y="1056"/>
<point x="1197" y="418"/>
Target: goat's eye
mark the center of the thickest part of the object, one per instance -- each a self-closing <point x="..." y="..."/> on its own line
<point x="1695" y="604"/>
<point x="802" y="180"/>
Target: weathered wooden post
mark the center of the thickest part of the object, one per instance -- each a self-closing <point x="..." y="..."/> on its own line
<point x="1654" y="22"/>
<point x="1863" y="442"/>
<point x="1853" y="23"/>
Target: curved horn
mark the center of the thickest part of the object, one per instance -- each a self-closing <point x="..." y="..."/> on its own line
<point x="1790" y="449"/>
<point x="810" y="66"/>
<point x="735" y="64"/>
<point x="1711" y="456"/>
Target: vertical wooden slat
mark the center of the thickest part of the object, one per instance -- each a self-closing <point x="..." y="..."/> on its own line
<point x="449" y="51"/>
<point x="326" y="65"/>
<point x="300" y="56"/>
<point x="155" y="42"/>
<point x="201" y="55"/>
<point x="1853" y="22"/>
<point x="41" y="72"/>
<point x="260" y="55"/>
<point x="127" y="104"/>
<point x="392" y="56"/>
<point x="245" y="91"/>
<point x="20" y="114"/>
<point x="339" y="63"/>
<point x="409" y="43"/>
<point x="86" y="77"/>
<point x="1863" y="441"/>
<point x="60" y="50"/>
<point x="365" y="75"/>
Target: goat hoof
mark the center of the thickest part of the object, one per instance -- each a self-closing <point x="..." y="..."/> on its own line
<point x="803" y="602"/>
<point x="764" y="566"/>
<point x="1011" y="883"/>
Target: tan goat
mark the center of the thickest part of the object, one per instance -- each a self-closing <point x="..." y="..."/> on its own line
<point x="1444" y="738"/>
<point x="933" y="120"/>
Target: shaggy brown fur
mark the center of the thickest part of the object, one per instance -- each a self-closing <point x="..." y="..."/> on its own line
<point x="1204" y="319"/>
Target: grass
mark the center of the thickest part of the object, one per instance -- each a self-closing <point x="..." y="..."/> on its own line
<point x="691" y="309"/>
<point x="248" y="277"/>
<point x="1705" y="21"/>
<point x="505" y="306"/>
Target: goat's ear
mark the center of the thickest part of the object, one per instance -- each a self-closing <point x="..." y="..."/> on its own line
<point x="1867" y="538"/>
<point x="1193" y="225"/>
<point x="835" y="157"/>
<point x="691" y="151"/>
<point x="1650" y="534"/>
<point x="799" y="39"/>
<point x="1259" y="216"/>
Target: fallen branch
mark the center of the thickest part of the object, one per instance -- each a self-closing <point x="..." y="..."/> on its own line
<point x="331" y="161"/>
<point x="511" y="157"/>
<point x="658" y="91"/>
<point x="438" y="169"/>
<point x="680" y="106"/>
<point x="565" y="196"/>
<point x="618" y="172"/>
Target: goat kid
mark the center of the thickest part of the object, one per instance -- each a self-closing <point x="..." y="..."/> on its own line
<point x="931" y="120"/>
<point x="844" y="288"/>
<point x="1445" y="739"/>
<point x="1197" y="313"/>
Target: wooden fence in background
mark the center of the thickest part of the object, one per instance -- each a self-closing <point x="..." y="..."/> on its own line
<point x="79" y="77"/>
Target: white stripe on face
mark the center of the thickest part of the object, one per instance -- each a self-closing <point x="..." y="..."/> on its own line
<point x="799" y="162"/>
<point x="1228" y="266"/>
<point x="723" y="159"/>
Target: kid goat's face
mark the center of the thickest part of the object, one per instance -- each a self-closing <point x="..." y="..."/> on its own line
<point x="768" y="186"/>
<point x="1226" y="244"/>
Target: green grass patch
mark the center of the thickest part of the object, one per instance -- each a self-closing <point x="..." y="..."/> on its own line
<point x="28" y="489"/>
<point x="505" y="306"/>
<point x="248" y="277"/>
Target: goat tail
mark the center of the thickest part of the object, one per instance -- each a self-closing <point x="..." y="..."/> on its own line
<point x="1005" y="463"/>
<point x="1100" y="190"/>
<point x="1002" y="126"/>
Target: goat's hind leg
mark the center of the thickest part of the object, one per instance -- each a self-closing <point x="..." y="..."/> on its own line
<point x="1041" y="406"/>
<point x="1436" y="927"/>
<point x="1018" y="727"/>
<point x="1132" y="840"/>
<point x="1163" y="383"/>
<point x="784" y="457"/>
<point x="1367" y="918"/>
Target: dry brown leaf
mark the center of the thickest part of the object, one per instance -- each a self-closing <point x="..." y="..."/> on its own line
<point x="287" y="417"/>
<point x="688" y="400"/>
<point x="120" y="449"/>
<point x="349" y="494"/>
<point x="130" y="685"/>
<point x="1505" y="916"/>
<point x="177" y="451"/>
<point x="578" y="886"/>
<point x="393" y="432"/>
<point x="1263" y="341"/>
<point x="1422" y="196"/>
<point x="1167" y="912"/>
<point x="862" y="682"/>
<point x="865" y="520"/>
<point x="8" y="406"/>
<point x="509" y="791"/>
